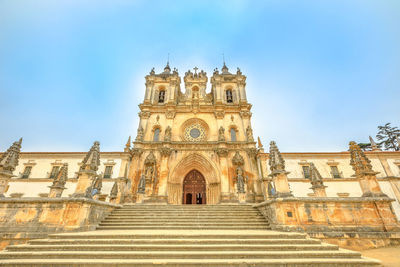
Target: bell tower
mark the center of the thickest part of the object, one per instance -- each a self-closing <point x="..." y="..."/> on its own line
<point x="162" y="88"/>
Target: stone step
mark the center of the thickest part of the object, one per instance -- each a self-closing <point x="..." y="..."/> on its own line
<point x="364" y="262"/>
<point x="174" y="223"/>
<point x="178" y="220"/>
<point x="182" y="234"/>
<point x="179" y="254"/>
<point x="175" y="227"/>
<point x="191" y="213"/>
<point x="174" y="247"/>
<point x="157" y="241"/>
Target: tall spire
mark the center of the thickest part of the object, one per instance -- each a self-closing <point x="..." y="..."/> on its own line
<point x="128" y="145"/>
<point x="9" y="159"/>
<point x="167" y="69"/>
<point x="91" y="161"/>
<point x="276" y="162"/>
<point x="360" y="163"/>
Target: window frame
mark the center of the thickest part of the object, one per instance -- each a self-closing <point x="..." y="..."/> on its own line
<point x="229" y="96"/>
<point x="26" y="175"/>
<point x="54" y="170"/>
<point x="108" y="167"/>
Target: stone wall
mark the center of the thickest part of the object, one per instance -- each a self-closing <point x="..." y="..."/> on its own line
<point x="354" y="223"/>
<point x="28" y="218"/>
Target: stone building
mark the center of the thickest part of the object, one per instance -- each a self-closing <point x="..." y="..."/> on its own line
<point x="197" y="147"/>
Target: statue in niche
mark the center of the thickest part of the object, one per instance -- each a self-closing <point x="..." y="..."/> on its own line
<point x="167" y="136"/>
<point x="149" y="173"/>
<point x="140" y="134"/>
<point x="240" y="180"/>
<point x="142" y="184"/>
<point x="221" y="134"/>
<point x="249" y="134"/>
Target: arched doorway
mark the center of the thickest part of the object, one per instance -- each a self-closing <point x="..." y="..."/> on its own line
<point x="194" y="188"/>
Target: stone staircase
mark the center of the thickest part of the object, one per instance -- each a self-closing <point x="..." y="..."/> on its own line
<point x="149" y="235"/>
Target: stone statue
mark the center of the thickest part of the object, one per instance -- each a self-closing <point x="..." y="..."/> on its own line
<point x="167" y="136"/>
<point x="140" y="134"/>
<point x="240" y="180"/>
<point x="152" y="72"/>
<point x="221" y="134"/>
<point x="149" y="173"/>
<point x="142" y="184"/>
<point x="249" y="134"/>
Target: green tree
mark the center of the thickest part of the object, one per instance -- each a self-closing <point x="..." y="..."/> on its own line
<point x="365" y="146"/>
<point x="387" y="135"/>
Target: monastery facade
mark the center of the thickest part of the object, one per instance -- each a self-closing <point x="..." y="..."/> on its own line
<point x="196" y="147"/>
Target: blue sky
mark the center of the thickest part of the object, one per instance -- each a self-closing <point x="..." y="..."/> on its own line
<point x="319" y="73"/>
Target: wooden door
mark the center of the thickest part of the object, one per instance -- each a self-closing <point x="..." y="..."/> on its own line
<point x="194" y="188"/>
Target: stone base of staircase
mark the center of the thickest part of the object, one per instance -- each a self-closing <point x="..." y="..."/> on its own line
<point x="138" y="235"/>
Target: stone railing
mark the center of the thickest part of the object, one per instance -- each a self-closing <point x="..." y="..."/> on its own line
<point x="22" y="219"/>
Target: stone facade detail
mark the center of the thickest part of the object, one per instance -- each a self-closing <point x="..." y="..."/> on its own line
<point x="8" y="162"/>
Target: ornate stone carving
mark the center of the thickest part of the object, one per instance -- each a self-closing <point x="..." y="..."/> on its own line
<point x="168" y="134"/>
<point x="276" y="162"/>
<point x="144" y="114"/>
<point x="61" y="178"/>
<point x="140" y="134"/>
<point x="251" y="152"/>
<point x="219" y="114"/>
<point x="170" y="114"/>
<point x="249" y="134"/>
<point x="165" y="151"/>
<point x="315" y="177"/>
<point x="9" y="159"/>
<point x="260" y="145"/>
<point x="137" y="152"/>
<point x="360" y="163"/>
<point x="221" y="134"/>
<point x="237" y="159"/>
<point x="150" y="159"/>
<point x="245" y="114"/>
<point x="91" y="161"/>
<point x="222" y="152"/>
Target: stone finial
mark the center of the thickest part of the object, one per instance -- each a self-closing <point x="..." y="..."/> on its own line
<point x="152" y="72"/>
<point x="276" y="161"/>
<point x="91" y="161"/>
<point x="128" y="145"/>
<point x="114" y="191"/>
<point x="9" y="159"/>
<point x="98" y="184"/>
<point x="315" y="177"/>
<point x="61" y="178"/>
<point x="167" y="68"/>
<point x="237" y="159"/>
<point x="359" y="161"/>
<point x="225" y="69"/>
<point x="374" y="146"/>
<point x="259" y="142"/>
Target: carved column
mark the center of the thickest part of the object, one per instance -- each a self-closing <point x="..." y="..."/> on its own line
<point x="164" y="170"/>
<point x="225" y="183"/>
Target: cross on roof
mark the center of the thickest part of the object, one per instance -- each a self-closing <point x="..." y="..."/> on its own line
<point x="195" y="70"/>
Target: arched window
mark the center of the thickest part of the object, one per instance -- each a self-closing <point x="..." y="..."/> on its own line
<point x="233" y="135"/>
<point x="161" y="96"/>
<point x="229" y="96"/>
<point x="156" y="137"/>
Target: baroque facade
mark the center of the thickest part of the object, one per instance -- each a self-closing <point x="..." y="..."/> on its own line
<point x="197" y="147"/>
